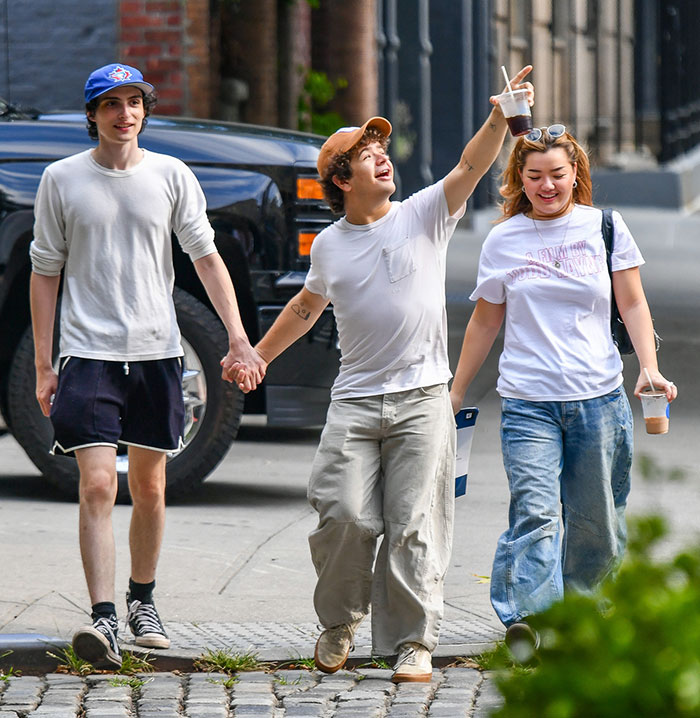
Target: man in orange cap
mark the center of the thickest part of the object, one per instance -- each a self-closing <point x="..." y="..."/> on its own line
<point x="385" y="462"/>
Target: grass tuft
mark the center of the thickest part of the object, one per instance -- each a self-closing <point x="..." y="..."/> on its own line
<point x="226" y="661"/>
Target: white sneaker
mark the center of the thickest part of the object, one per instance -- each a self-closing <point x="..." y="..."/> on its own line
<point x="334" y="645"/>
<point x="414" y="664"/>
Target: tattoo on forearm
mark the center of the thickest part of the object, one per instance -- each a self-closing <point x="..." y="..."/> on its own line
<point x="464" y="162"/>
<point x="301" y="311"/>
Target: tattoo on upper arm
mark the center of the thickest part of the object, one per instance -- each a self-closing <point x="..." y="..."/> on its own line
<point x="465" y="163"/>
<point x="301" y="311"/>
<point x="492" y="126"/>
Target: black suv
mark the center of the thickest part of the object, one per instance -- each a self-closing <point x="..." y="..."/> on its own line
<point x="264" y="203"/>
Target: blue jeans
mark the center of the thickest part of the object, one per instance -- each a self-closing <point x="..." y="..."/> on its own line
<point x="568" y="456"/>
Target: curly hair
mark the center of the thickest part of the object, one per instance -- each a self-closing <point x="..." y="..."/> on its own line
<point x="149" y="102"/>
<point x="340" y="167"/>
<point x="515" y="201"/>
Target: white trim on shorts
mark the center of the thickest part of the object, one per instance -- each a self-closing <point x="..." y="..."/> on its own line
<point x="180" y="446"/>
<point x="176" y="450"/>
<point x="80" y="446"/>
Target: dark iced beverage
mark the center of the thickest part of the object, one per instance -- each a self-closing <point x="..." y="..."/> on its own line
<point x="519" y="124"/>
<point x="516" y="110"/>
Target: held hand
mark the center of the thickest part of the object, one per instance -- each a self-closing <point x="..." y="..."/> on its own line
<point x="247" y="368"/>
<point x="517" y="84"/>
<point x="46" y="383"/>
<point x="660" y="384"/>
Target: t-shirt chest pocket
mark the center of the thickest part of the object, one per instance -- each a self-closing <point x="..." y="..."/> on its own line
<point x="399" y="261"/>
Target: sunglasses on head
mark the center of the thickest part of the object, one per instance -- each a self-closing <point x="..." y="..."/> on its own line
<point x="553" y="131"/>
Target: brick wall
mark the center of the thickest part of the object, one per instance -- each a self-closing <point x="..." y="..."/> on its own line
<point x="168" y="40"/>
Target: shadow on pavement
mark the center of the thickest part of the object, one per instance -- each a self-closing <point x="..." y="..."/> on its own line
<point x="242" y="493"/>
<point x="256" y="433"/>
<point x="29" y="488"/>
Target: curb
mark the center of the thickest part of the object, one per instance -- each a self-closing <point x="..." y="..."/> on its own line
<point x="28" y="653"/>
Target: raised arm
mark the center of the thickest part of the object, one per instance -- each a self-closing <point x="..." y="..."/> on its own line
<point x="481" y="151"/>
<point x="634" y="310"/>
<point x="479" y="337"/>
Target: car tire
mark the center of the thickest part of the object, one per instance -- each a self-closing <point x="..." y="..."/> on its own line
<point x="217" y="423"/>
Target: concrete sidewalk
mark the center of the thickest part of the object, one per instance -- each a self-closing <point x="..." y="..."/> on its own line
<point x="259" y="601"/>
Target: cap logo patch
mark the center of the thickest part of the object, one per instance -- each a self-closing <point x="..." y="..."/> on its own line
<point x="119" y="74"/>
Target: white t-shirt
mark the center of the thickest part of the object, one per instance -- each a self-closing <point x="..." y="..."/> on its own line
<point x="111" y="231"/>
<point x="386" y="281"/>
<point x="557" y="344"/>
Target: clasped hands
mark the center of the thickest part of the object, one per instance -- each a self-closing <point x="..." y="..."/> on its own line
<point x="244" y="367"/>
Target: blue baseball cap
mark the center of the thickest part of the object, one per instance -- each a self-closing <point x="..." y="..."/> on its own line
<point x="115" y="75"/>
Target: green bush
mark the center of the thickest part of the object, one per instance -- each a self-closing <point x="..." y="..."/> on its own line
<point x="318" y="91"/>
<point x="630" y="651"/>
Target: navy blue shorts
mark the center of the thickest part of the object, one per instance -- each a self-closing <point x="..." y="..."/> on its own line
<point x="103" y="403"/>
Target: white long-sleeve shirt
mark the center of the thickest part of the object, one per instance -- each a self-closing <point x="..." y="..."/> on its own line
<point x="110" y="232"/>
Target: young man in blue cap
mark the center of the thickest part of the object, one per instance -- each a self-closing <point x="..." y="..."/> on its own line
<point x="104" y="219"/>
<point x="385" y="462"/>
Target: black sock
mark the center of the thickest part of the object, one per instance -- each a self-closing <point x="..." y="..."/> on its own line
<point x="104" y="609"/>
<point x="141" y="591"/>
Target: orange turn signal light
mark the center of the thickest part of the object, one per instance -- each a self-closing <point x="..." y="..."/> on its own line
<point x="308" y="188"/>
<point x="305" y="241"/>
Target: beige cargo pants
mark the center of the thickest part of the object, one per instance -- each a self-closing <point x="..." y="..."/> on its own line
<point x="385" y="467"/>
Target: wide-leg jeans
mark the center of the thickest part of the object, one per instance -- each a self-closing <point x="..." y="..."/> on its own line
<point x="385" y="466"/>
<point x="573" y="458"/>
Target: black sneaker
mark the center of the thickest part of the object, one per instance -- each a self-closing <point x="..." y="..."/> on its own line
<point x="97" y="644"/>
<point x="145" y="624"/>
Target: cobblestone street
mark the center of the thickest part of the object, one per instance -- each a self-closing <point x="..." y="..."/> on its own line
<point x="363" y="693"/>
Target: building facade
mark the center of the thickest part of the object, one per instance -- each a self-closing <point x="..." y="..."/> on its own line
<point x="614" y="71"/>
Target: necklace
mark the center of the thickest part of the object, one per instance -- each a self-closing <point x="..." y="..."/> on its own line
<point x="566" y="230"/>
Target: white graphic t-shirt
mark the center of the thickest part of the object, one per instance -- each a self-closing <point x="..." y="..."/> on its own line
<point x="557" y="344"/>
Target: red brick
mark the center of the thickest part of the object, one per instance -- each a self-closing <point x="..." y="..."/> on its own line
<point x="175" y="19"/>
<point x="169" y="109"/>
<point x="131" y="36"/>
<point x="170" y="93"/>
<point x="130" y="6"/>
<point x="162" y="6"/>
<point x="142" y="50"/>
<point x="161" y="64"/>
<point x="162" y="36"/>
<point x="140" y="20"/>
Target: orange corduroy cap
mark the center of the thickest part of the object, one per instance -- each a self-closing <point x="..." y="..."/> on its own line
<point x="345" y="139"/>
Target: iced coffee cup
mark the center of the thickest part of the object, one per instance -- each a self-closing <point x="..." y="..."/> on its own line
<point x="655" y="410"/>
<point x="516" y="110"/>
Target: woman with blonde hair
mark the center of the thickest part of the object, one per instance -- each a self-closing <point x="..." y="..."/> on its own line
<point x="566" y="424"/>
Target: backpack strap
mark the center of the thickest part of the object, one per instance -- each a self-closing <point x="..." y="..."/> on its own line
<point x="608" y="236"/>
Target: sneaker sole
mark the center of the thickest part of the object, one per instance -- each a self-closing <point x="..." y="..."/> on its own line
<point x="412" y="677"/>
<point x="328" y="669"/>
<point x="93" y="647"/>
<point x="152" y="641"/>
